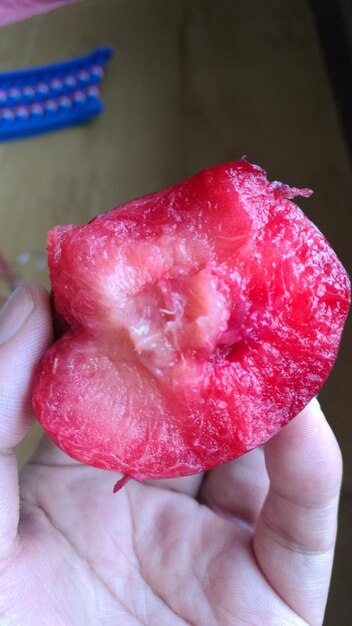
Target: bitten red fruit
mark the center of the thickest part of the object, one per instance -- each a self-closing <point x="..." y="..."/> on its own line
<point x="202" y="318"/>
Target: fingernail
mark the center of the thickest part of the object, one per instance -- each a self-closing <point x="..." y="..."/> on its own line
<point x="17" y="309"/>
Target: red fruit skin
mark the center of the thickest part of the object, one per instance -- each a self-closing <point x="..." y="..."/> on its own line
<point x="202" y="319"/>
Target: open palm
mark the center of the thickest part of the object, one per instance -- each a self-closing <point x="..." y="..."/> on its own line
<point x="230" y="547"/>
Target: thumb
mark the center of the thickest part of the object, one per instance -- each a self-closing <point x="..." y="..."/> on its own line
<point x="25" y="333"/>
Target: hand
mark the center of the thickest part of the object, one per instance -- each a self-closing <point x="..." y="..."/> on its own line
<point x="15" y="10"/>
<point x="250" y="542"/>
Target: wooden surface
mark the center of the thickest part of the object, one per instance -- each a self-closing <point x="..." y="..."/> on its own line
<point x="192" y="83"/>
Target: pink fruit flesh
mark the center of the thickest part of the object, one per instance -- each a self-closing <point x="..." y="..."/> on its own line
<point x="202" y="319"/>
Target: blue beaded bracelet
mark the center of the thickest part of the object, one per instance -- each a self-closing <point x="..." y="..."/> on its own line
<point x="42" y="99"/>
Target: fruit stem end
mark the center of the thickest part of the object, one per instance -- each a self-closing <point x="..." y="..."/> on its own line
<point x="121" y="483"/>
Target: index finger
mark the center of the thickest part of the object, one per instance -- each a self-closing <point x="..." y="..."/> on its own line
<point x="295" y="536"/>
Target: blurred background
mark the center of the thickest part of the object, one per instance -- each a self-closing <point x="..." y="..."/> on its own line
<point x="194" y="83"/>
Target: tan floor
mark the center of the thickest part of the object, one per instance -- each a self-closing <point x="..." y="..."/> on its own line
<point x="192" y="83"/>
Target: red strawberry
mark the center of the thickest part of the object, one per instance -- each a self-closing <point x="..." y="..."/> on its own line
<point x="202" y="319"/>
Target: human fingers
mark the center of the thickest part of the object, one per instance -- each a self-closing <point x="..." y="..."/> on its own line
<point x="189" y="485"/>
<point x="237" y="489"/>
<point x="295" y="536"/>
<point x="25" y="333"/>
